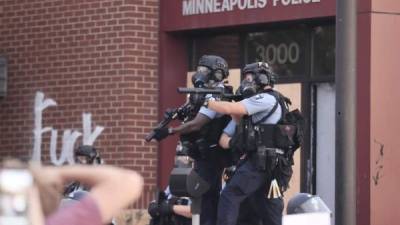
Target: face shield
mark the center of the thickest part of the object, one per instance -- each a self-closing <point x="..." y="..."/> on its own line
<point x="313" y="204"/>
<point x="73" y="197"/>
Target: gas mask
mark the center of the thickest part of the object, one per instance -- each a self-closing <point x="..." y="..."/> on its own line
<point x="200" y="79"/>
<point x="248" y="87"/>
<point x="205" y="78"/>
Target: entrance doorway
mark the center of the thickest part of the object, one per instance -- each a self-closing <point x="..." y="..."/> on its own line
<point x="323" y="139"/>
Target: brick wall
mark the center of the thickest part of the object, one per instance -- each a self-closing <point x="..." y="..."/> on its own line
<point x="89" y="56"/>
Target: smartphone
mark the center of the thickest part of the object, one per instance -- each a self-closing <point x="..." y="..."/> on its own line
<point x="15" y="185"/>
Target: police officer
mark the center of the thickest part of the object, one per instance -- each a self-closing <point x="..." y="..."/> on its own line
<point x="253" y="177"/>
<point x="200" y="136"/>
<point x="170" y="210"/>
<point x="256" y="209"/>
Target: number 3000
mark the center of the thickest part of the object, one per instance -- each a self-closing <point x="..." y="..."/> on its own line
<point x="281" y="54"/>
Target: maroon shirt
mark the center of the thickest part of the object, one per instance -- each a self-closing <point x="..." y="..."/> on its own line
<point x="85" y="212"/>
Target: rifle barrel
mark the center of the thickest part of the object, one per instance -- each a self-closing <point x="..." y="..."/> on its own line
<point x="199" y="91"/>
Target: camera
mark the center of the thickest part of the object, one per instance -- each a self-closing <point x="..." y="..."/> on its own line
<point x="15" y="188"/>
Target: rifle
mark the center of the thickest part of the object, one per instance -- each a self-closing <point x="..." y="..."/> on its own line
<point x="187" y="111"/>
<point x="203" y="91"/>
<point x="181" y="113"/>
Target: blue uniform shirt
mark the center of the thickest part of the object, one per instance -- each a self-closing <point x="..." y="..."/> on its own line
<point x="230" y="128"/>
<point x="260" y="105"/>
<point x="211" y="114"/>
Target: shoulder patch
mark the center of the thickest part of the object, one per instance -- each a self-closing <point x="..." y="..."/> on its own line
<point x="258" y="97"/>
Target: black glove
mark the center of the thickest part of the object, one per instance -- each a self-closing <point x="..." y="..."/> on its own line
<point x="197" y="99"/>
<point x="228" y="173"/>
<point x="166" y="208"/>
<point x="169" y="112"/>
<point x="153" y="210"/>
<point x="161" y="133"/>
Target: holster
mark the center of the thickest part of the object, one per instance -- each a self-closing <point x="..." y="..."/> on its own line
<point x="202" y="147"/>
<point x="283" y="172"/>
<point x="266" y="159"/>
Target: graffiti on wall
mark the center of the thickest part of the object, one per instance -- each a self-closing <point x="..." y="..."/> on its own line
<point x="378" y="163"/>
<point x="69" y="137"/>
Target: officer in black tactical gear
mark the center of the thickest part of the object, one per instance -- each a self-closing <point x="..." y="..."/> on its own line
<point x="256" y="209"/>
<point x="170" y="210"/>
<point x="255" y="139"/>
<point x="200" y="135"/>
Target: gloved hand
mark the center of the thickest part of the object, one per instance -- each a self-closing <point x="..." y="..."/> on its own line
<point x="169" y="112"/>
<point x="166" y="208"/>
<point x="228" y="173"/>
<point x="153" y="210"/>
<point x="161" y="133"/>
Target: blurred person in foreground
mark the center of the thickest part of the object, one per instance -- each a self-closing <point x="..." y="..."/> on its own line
<point x="112" y="189"/>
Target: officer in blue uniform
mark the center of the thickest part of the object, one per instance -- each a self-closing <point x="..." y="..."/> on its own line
<point x="257" y="209"/>
<point x="200" y="136"/>
<point x="257" y="113"/>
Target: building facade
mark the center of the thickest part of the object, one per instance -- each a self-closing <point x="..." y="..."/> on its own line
<point x="97" y="57"/>
<point x="298" y="39"/>
<point x="116" y="64"/>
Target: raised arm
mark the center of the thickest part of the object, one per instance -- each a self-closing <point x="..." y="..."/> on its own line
<point x="112" y="188"/>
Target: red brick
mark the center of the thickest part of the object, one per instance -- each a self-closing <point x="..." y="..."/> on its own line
<point x="87" y="56"/>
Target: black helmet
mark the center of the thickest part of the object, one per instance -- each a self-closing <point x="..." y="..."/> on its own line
<point x="262" y="73"/>
<point x="89" y="153"/>
<point x="214" y="65"/>
<point x="74" y="196"/>
<point x="306" y="203"/>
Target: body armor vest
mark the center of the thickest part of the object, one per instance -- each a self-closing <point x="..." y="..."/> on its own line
<point x="203" y="144"/>
<point x="250" y="136"/>
<point x="271" y="146"/>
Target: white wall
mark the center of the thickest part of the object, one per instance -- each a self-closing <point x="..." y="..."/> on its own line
<point x="325" y="148"/>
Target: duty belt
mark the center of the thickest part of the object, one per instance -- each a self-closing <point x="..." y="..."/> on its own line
<point x="276" y="150"/>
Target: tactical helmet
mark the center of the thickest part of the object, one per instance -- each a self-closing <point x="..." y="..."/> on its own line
<point x="214" y="65"/>
<point x="262" y="73"/>
<point x="306" y="203"/>
<point x="89" y="153"/>
<point x="73" y="197"/>
<point x="77" y="195"/>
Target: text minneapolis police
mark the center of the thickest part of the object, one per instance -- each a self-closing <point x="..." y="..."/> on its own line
<point x="192" y="7"/>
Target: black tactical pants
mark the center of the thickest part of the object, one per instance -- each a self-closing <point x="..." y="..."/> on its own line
<point x="248" y="183"/>
<point x="211" y="171"/>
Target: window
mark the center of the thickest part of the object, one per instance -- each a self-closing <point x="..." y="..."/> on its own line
<point x="299" y="53"/>
<point x="284" y="50"/>
<point x="324" y="51"/>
